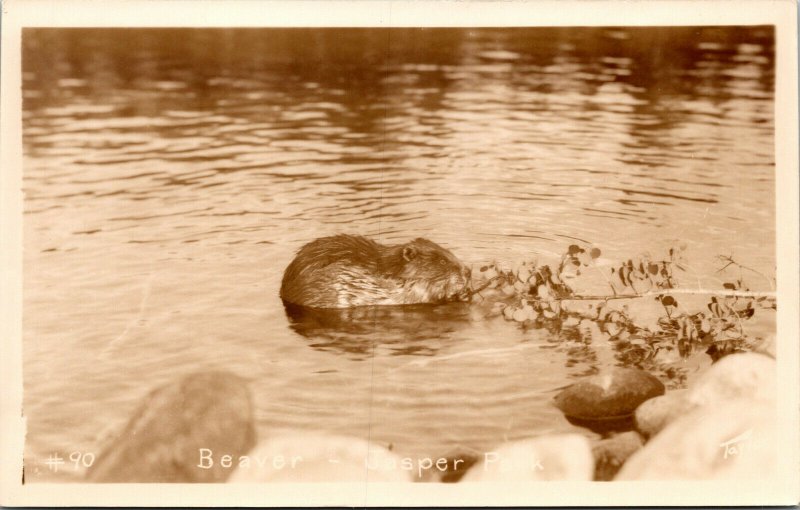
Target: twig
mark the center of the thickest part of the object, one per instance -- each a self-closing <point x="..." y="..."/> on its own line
<point x="664" y="292"/>
<point x="486" y="284"/>
<point x="730" y="261"/>
<point x="613" y="289"/>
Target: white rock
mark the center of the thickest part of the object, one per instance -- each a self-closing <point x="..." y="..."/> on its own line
<point x="727" y="441"/>
<point x="320" y="458"/>
<point x="655" y="414"/>
<point x="557" y="457"/>
<point x="746" y="375"/>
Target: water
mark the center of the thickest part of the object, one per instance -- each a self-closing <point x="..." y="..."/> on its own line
<point x="169" y="177"/>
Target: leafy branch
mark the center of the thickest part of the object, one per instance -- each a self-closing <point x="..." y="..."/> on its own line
<point x="540" y="296"/>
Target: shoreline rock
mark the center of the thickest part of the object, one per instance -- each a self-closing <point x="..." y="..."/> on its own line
<point x="161" y="440"/>
<point x="747" y="375"/>
<point x="722" y="428"/>
<point x="611" y="453"/>
<point x="553" y="457"/>
<point x="321" y="458"/>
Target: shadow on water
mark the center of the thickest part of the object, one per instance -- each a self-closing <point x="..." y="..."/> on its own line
<point x="418" y="330"/>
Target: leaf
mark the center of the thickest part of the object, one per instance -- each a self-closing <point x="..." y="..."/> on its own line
<point x="570" y="322"/>
<point x="729" y="286"/>
<point x="543" y="292"/>
<point x="621" y="274"/>
<point x="520" y="315"/>
<point x="574" y="249"/>
<point x="668" y="301"/>
<point x="612" y="328"/>
<point x="595" y="253"/>
<point x="652" y="269"/>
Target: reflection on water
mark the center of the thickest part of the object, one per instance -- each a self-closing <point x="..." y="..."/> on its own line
<point x="400" y="330"/>
<point x="170" y="175"/>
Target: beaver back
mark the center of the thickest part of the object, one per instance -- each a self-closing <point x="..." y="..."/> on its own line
<point x="344" y="271"/>
<point x="313" y="277"/>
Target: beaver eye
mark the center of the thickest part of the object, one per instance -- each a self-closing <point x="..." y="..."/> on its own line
<point x="442" y="262"/>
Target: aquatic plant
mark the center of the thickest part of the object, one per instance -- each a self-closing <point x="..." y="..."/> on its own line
<point x="540" y="295"/>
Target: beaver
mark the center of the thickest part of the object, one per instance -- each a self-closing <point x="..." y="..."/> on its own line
<point x="346" y="271"/>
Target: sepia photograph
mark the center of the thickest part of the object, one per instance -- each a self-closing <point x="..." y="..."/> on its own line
<point x="446" y="256"/>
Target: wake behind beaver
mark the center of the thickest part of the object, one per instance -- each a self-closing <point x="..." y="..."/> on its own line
<point x="346" y="271"/>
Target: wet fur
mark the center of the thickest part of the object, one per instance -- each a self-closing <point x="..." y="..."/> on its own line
<point x="345" y="271"/>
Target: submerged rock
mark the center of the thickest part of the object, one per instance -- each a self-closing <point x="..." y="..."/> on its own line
<point x="728" y="441"/>
<point x="611" y="395"/>
<point x="611" y="453"/>
<point x="321" y="458"/>
<point x="558" y="457"/>
<point x="161" y="441"/>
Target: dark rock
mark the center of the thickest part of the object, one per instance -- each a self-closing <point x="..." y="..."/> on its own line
<point x="457" y="465"/>
<point x="456" y="471"/>
<point x="605" y="426"/>
<point x="609" y="396"/>
<point x="161" y="442"/>
<point x="611" y="453"/>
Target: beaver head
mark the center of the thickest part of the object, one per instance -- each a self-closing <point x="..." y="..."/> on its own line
<point x="428" y="273"/>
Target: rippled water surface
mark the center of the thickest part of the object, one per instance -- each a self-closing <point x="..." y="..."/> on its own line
<point x="170" y="176"/>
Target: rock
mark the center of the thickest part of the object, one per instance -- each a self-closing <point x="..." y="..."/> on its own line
<point x="457" y="463"/>
<point x="733" y="440"/>
<point x="161" y="441"/>
<point x="748" y="375"/>
<point x="610" y="454"/>
<point x="558" y="457"/>
<point x="322" y="458"/>
<point x="654" y="414"/>
<point x="613" y="394"/>
<point x="766" y="346"/>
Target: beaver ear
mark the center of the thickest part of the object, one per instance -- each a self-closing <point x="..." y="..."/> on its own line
<point x="409" y="253"/>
